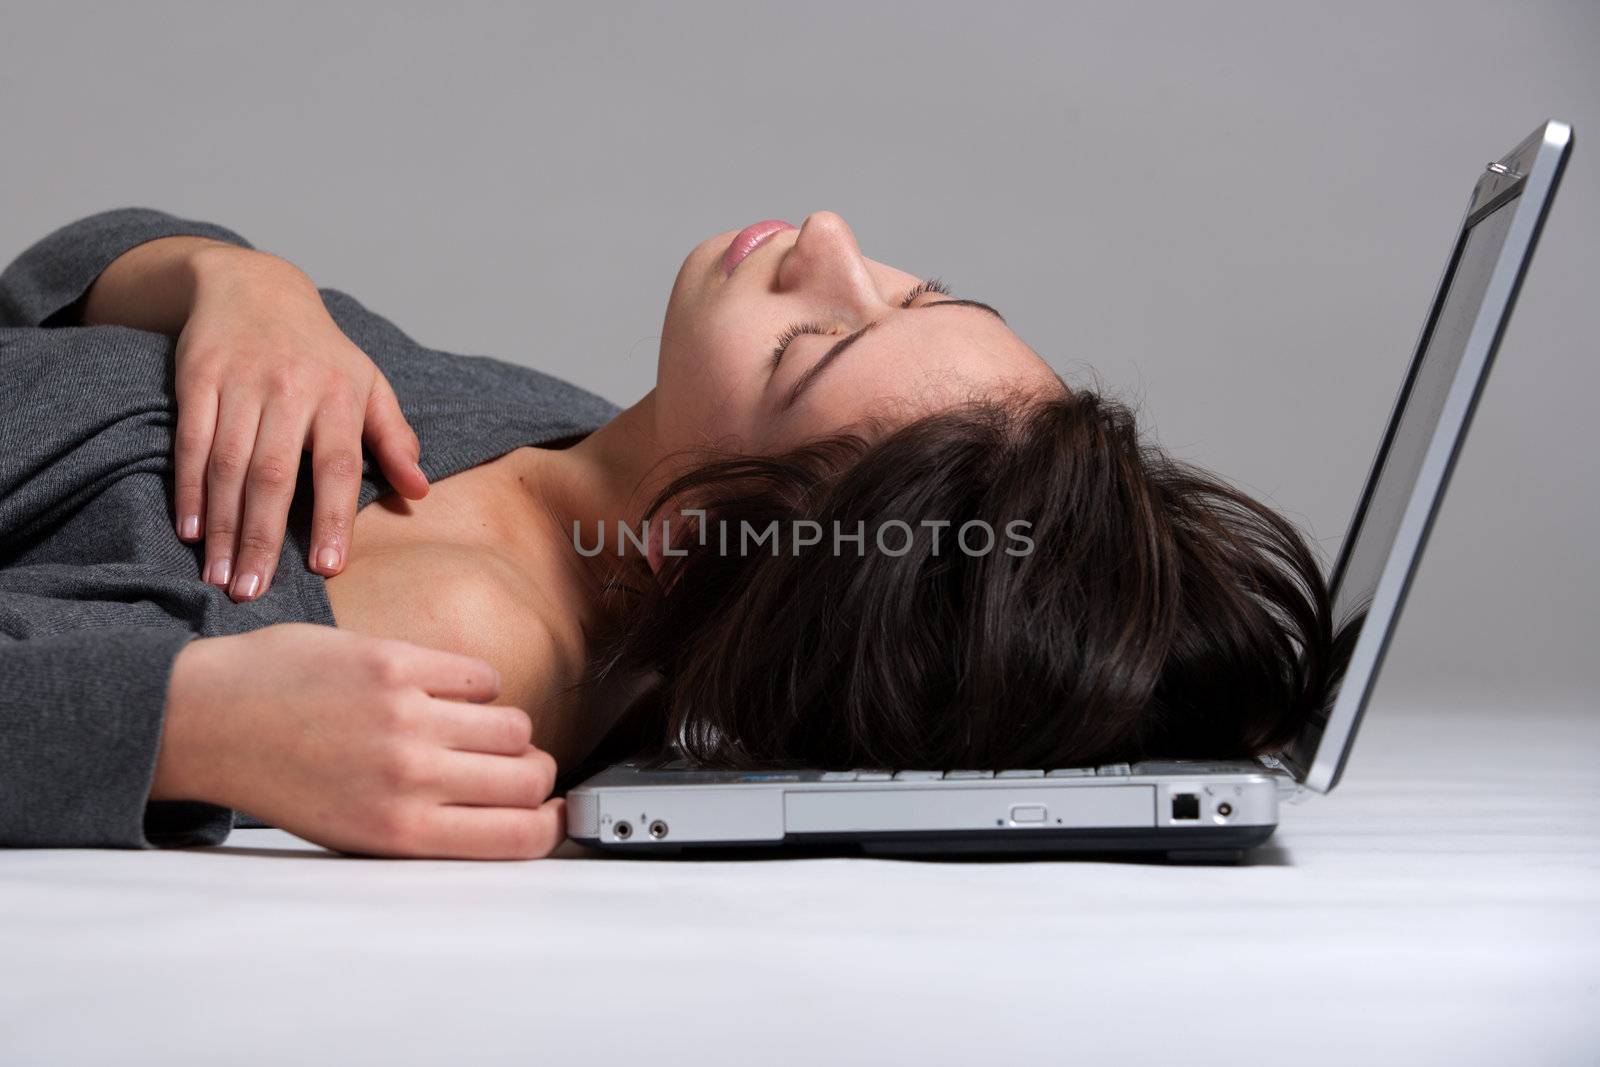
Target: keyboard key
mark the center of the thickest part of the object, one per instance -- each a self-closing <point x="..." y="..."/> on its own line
<point x="1071" y="772"/>
<point x="838" y="776"/>
<point x="918" y="776"/>
<point x="968" y="774"/>
<point x="1113" y="769"/>
<point x="1195" y="767"/>
<point x="873" y="776"/>
<point x="1020" y="774"/>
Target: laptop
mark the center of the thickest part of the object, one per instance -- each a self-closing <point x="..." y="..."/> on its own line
<point x="1202" y="811"/>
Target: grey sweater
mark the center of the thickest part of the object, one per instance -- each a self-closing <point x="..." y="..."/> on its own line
<point x="97" y="594"/>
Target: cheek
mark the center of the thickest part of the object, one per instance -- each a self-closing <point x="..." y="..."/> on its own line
<point x="707" y="395"/>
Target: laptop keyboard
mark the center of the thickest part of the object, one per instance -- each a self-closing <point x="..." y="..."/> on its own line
<point x="1106" y="770"/>
<point x="913" y="774"/>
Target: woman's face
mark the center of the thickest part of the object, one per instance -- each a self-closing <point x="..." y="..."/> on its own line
<point x="718" y="382"/>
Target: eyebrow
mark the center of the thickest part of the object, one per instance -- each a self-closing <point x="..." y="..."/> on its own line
<point x="832" y="354"/>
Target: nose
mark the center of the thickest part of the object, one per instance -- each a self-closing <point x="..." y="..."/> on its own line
<point x="825" y="265"/>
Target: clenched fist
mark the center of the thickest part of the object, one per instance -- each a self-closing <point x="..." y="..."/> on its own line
<point x="360" y="744"/>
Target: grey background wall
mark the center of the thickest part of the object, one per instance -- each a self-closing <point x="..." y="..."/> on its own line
<point x="1232" y="213"/>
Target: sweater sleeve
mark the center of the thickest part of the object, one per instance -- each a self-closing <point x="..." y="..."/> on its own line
<point x="81" y="715"/>
<point x="53" y="275"/>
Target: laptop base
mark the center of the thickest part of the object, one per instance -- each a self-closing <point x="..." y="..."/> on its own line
<point x="1222" y="844"/>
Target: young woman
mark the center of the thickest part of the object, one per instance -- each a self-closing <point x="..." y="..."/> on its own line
<point x="210" y="601"/>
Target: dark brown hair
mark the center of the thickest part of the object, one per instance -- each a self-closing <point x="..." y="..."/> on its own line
<point x="1160" y="612"/>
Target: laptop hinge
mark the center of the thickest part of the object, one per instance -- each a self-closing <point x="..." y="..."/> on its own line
<point x="1286" y="775"/>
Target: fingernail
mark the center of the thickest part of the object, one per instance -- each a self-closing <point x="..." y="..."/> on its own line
<point x="328" y="558"/>
<point x="247" y="585"/>
<point x="190" y="528"/>
<point x="217" y="573"/>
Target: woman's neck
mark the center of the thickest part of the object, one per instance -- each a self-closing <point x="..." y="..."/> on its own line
<point x="604" y="480"/>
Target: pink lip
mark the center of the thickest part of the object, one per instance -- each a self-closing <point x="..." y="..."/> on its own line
<point x="747" y="240"/>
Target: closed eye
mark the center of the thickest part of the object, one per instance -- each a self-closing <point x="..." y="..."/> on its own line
<point x="831" y="356"/>
<point x="794" y="330"/>
<point x="932" y="285"/>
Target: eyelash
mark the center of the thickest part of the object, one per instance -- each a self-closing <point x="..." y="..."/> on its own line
<point x="932" y="285"/>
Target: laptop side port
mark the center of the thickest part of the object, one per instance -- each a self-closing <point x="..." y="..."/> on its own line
<point x="1185" y="806"/>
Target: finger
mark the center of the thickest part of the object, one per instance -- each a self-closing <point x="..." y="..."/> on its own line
<point x="496" y="781"/>
<point x="336" y="485"/>
<point x="393" y="442"/>
<point x="237" y="419"/>
<point x="197" y="427"/>
<point x="268" y="489"/>
<point x="461" y="832"/>
<point x="448" y="675"/>
<point x="484" y="728"/>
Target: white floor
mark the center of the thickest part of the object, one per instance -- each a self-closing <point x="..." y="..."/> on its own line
<point x="1445" y="913"/>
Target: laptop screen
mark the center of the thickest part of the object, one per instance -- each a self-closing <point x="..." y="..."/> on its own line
<point x="1425" y="430"/>
<point x="1369" y="543"/>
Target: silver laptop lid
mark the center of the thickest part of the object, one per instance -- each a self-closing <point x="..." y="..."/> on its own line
<point x="1425" y="430"/>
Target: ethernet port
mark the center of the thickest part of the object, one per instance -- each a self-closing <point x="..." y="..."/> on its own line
<point x="1185" y="806"/>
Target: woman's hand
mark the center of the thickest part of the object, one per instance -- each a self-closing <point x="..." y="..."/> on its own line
<point x="359" y="744"/>
<point x="262" y="374"/>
